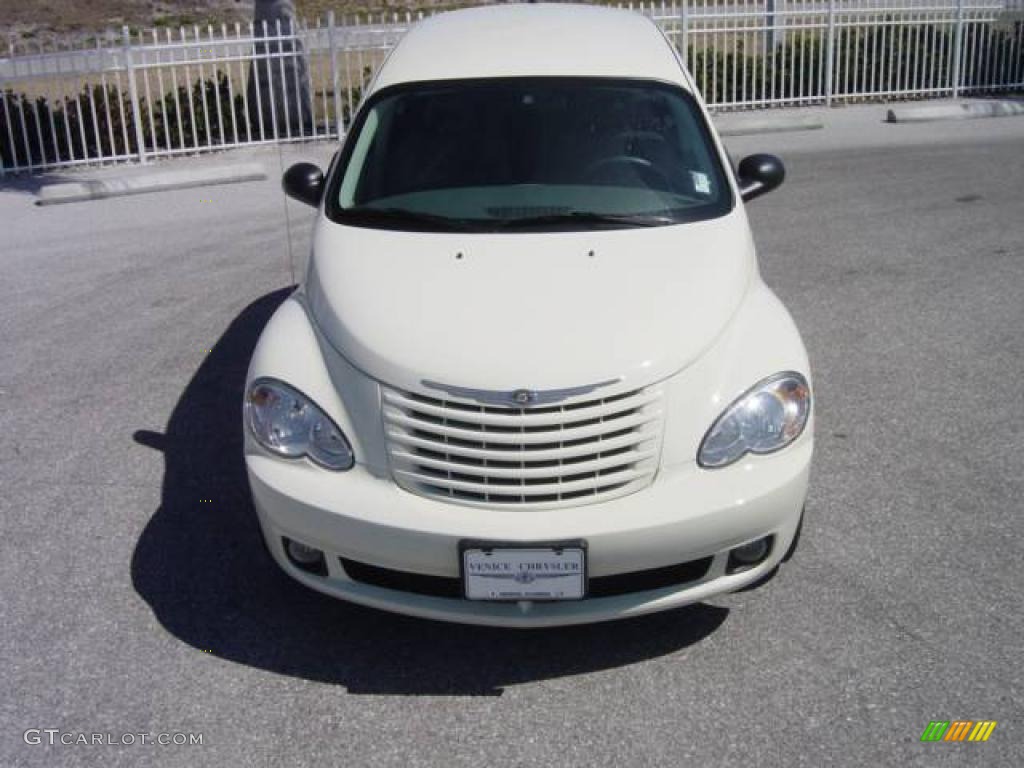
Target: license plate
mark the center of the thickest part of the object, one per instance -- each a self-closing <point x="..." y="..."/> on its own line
<point x="549" y="572"/>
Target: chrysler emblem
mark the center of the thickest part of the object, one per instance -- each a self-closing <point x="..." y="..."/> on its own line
<point x="524" y="396"/>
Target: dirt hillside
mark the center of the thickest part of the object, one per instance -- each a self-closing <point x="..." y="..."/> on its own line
<point x="27" y="21"/>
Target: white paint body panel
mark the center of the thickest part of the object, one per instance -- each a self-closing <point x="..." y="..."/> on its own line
<point x="528" y="310"/>
<point x="509" y="40"/>
<point x="681" y="308"/>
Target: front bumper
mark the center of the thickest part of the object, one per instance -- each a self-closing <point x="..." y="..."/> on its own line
<point x="687" y="514"/>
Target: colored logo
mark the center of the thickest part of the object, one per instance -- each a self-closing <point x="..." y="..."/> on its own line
<point x="958" y="730"/>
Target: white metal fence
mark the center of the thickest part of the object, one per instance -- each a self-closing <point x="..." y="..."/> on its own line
<point x="746" y="54"/>
<point x="131" y="96"/>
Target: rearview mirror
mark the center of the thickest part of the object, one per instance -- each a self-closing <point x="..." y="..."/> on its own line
<point x="758" y="174"/>
<point x="305" y="183"/>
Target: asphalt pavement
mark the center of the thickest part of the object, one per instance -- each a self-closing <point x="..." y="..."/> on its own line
<point x="136" y="597"/>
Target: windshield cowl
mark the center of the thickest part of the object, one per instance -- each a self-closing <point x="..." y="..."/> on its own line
<point x="398" y="218"/>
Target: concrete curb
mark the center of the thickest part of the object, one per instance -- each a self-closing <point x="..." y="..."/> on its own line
<point x="745" y="125"/>
<point x="158" y="181"/>
<point x="925" y="113"/>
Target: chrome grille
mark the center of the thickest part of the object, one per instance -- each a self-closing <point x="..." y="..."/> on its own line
<point x="572" y="453"/>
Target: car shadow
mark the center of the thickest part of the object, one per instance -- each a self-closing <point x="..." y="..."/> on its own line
<point x="201" y="566"/>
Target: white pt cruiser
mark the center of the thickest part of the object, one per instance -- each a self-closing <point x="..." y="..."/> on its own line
<point x="532" y="376"/>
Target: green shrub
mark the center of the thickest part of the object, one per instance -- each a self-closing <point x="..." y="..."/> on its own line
<point x="866" y="59"/>
<point x="64" y="130"/>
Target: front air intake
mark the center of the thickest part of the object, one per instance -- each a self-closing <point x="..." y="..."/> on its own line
<point x="577" y="452"/>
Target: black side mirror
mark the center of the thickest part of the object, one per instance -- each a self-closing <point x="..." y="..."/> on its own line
<point x="305" y="183"/>
<point x="759" y="174"/>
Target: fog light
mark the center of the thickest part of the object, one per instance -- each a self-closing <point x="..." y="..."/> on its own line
<point x="309" y="559"/>
<point x="748" y="555"/>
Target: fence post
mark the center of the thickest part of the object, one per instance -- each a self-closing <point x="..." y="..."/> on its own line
<point x="133" y="93"/>
<point x="958" y="42"/>
<point x="830" y="52"/>
<point x="684" y="32"/>
<point x="775" y="33"/>
<point x="332" y="47"/>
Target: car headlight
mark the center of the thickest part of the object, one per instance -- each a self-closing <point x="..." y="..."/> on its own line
<point x="289" y="424"/>
<point x="767" y="417"/>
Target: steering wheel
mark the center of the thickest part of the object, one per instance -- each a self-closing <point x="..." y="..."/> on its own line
<point x="643" y="165"/>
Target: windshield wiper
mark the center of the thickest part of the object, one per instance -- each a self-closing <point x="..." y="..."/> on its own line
<point x="590" y="217"/>
<point x="405" y="216"/>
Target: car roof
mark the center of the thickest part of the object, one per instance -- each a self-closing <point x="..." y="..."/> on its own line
<point x="532" y="40"/>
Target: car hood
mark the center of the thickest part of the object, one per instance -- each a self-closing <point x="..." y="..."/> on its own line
<point x="528" y="310"/>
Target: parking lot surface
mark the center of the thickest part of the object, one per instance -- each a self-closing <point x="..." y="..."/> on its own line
<point x="137" y="597"/>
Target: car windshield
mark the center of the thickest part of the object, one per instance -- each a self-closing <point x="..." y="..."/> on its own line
<point x="529" y="154"/>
